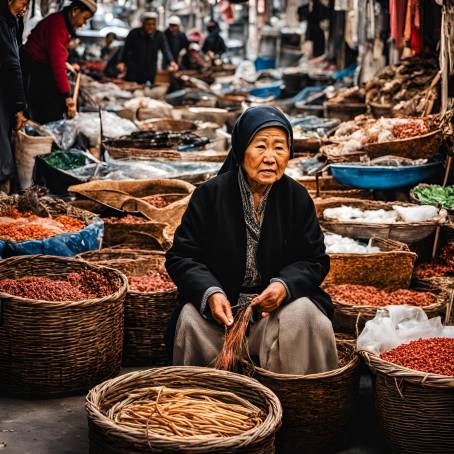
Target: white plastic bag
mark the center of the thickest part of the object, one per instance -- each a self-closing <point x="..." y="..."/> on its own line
<point x="397" y="325"/>
<point x="416" y="213"/>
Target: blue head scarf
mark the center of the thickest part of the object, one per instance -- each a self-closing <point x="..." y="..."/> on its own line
<point x="248" y="124"/>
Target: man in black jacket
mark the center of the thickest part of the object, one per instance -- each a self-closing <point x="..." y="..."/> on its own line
<point x="140" y="52"/>
<point x="176" y="39"/>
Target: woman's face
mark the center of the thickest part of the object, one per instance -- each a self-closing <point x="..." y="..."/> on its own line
<point x="18" y="7"/>
<point x="267" y="156"/>
<point x="79" y="18"/>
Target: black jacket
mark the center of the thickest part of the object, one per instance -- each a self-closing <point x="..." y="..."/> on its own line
<point x="140" y="54"/>
<point x="177" y="42"/>
<point x="12" y="96"/>
<point x="215" y="43"/>
<point x="209" y="247"/>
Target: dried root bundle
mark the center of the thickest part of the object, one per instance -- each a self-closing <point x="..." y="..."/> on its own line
<point x="187" y="412"/>
<point x="234" y="341"/>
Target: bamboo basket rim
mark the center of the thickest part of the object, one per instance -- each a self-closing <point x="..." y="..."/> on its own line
<point x="269" y="426"/>
<point x="146" y="256"/>
<point x="406" y="140"/>
<point x="64" y="304"/>
<point x="351" y="364"/>
<point x="404" y="373"/>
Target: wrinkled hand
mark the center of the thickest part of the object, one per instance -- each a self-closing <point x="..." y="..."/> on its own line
<point x="173" y="67"/>
<point x="76" y="67"/>
<point x="271" y="298"/>
<point x="20" y="120"/>
<point x="70" y="108"/>
<point x="220" y="309"/>
<point x="121" y="67"/>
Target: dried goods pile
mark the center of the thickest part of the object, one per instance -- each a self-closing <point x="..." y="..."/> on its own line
<point x="129" y="219"/>
<point x="17" y="226"/>
<point x="337" y="244"/>
<point x="161" y="201"/>
<point x="365" y="295"/>
<point x="77" y="286"/>
<point x="172" y="412"/>
<point x="404" y="87"/>
<point x="353" y="135"/>
<point x="398" y="213"/>
<point x="154" y="281"/>
<point x="435" y="355"/>
<point x="348" y="95"/>
<point x="442" y="266"/>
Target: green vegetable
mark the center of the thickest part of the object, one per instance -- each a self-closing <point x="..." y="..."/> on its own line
<point x="66" y="160"/>
<point x="435" y="195"/>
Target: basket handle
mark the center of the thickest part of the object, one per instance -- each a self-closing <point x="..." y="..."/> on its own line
<point x="448" y="308"/>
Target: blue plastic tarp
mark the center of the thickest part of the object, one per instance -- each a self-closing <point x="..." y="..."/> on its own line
<point x="64" y="245"/>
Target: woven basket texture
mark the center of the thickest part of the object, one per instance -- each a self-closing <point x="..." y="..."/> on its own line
<point x="167" y="124"/>
<point x="106" y="437"/>
<point x="147" y="314"/>
<point x="317" y="407"/>
<point x="398" y="231"/>
<point x="344" y="111"/>
<point x="389" y="269"/>
<point x="130" y="152"/>
<point x="414" y="197"/>
<point x="57" y="348"/>
<point x="415" y="409"/>
<point x="351" y="318"/>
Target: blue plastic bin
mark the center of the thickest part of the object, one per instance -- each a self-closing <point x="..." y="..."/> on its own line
<point x="262" y="63"/>
<point x="267" y="91"/>
<point x="380" y="177"/>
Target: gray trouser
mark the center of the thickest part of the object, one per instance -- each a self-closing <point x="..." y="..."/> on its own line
<point x="296" y="339"/>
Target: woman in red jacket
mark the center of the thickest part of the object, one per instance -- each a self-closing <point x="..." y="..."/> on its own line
<point x="44" y="60"/>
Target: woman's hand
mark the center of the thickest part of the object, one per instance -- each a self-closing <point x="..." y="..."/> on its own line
<point x="20" y="120"/>
<point x="220" y="309"/>
<point x="271" y="298"/>
<point x="70" y="107"/>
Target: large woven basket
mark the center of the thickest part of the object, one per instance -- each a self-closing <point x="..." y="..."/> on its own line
<point x="147" y="314"/>
<point x="106" y="437"/>
<point x="415" y="409"/>
<point x="344" y="111"/>
<point x="56" y="348"/>
<point x="398" y="231"/>
<point x="317" y="407"/>
<point x="389" y="269"/>
<point x="351" y="318"/>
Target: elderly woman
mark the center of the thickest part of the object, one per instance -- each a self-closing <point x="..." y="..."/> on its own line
<point x="251" y="236"/>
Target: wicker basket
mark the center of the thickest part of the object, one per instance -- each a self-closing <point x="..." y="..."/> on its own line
<point x="106" y="437"/>
<point x="352" y="318"/>
<point x="415" y="199"/>
<point x="389" y="269"/>
<point x="149" y="153"/>
<point x="415" y="409"/>
<point x="167" y="124"/>
<point x="317" y="407"/>
<point x="380" y="110"/>
<point x="147" y="314"/>
<point x="56" y="348"/>
<point x="398" y="231"/>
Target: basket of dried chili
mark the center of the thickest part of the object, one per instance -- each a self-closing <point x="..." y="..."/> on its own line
<point x="414" y="394"/>
<point x="61" y="325"/>
<point x="150" y="302"/>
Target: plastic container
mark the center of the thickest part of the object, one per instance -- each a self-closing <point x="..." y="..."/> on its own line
<point x="381" y="177"/>
<point x="262" y="63"/>
<point x="267" y="91"/>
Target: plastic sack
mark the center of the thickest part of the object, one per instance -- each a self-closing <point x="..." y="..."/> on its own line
<point x="64" y="131"/>
<point x="397" y="325"/>
<point x="27" y="148"/>
<point x="63" y="245"/>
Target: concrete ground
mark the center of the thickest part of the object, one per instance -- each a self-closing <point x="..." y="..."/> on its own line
<point x="59" y="426"/>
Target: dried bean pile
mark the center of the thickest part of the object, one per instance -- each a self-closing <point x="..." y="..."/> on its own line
<point x="154" y="281"/>
<point x="443" y="266"/>
<point x="129" y="219"/>
<point x="85" y="284"/>
<point x="186" y="412"/>
<point x="365" y="295"/>
<point x="161" y="201"/>
<point x="434" y="355"/>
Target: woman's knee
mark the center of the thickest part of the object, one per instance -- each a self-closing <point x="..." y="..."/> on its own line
<point x="307" y="312"/>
